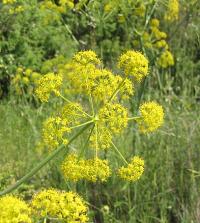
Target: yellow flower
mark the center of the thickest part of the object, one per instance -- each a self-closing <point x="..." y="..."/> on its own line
<point x="103" y="140"/>
<point x="140" y="10"/>
<point x="35" y="76"/>
<point x="108" y="7"/>
<point x="161" y="44"/>
<point x="28" y="72"/>
<point x="75" y="169"/>
<point x="14" y="210"/>
<point x="134" y="64"/>
<point x="152" y="116"/>
<point x="25" y="80"/>
<point x="172" y="11"/>
<point x="166" y="59"/>
<point x="54" y="132"/>
<point x="9" y="1"/>
<point x="47" y="84"/>
<point x="155" y="23"/>
<point x="73" y="112"/>
<point x="133" y="171"/>
<point x="114" y="117"/>
<point x="64" y="206"/>
<point x="86" y="57"/>
<point x="97" y="169"/>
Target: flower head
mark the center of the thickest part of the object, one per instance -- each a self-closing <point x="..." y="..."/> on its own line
<point x="152" y="115"/>
<point x="114" y="117"/>
<point x="54" y="130"/>
<point x="166" y="59"/>
<point x="14" y="210"/>
<point x="155" y="23"/>
<point x="86" y="57"/>
<point x="75" y="169"/>
<point x="134" y="64"/>
<point x="172" y="11"/>
<point x="47" y="84"/>
<point x="65" y="206"/>
<point x="133" y="171"/>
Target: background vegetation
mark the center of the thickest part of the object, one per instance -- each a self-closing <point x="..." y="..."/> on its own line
<point x="40" y="36"/>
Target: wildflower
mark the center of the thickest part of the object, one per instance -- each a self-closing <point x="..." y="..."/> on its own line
<point x="140" y="10"/>
<point x="9" y="1"/>
<point x="28" y="72"/>
<point x="67" y="207"/>
<point x="106" y="83"/>
<point x="75" y="169"/>
<point x="97" y="169"/>
<point x="134" y="64"/>
<point x="155" y="23"/>
<point x="47" y="84"/>
<point x="54" y="131"/>
<point x="35" y="76"/>
<point x="25" y="80"/>
<point x="166" y="59"/>
<point x="108" y="7"/>
<point x="133" y="171"/>
<point x="152" y="115"/>
<point x="86" y="57"/>
<point x="73" y="112"/>
<point x="172" y="11"/>
<point x="114" y="117"/>
<point x="161" y="44"/>
<point x="14" y="210"/>
<point x="101" y="139"/>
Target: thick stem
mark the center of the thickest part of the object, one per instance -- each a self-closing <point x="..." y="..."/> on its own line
<point x="42" y="163"/>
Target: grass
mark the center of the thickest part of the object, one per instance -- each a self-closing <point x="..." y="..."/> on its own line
<point x="167" y="192"/>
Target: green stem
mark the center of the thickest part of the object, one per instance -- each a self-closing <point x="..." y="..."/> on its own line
<point x="149" y="17"/>
<point x="42" y="163"/>
<point x="116" y="149"/>
<point x="83" y="124"/>
<point x="67" y="100"/>
<point x="117" y="90"/>
<point x="133" y="118"/>
<point x="86" y="143"/>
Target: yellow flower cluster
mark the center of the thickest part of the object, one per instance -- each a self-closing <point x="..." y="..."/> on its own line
<point x="159" y="37"/>
<point x="140" y="10"/>
<point x="14" y="210"/>
<point x="152" y="116"/>
<point x="47" y="84"/>
<point x="60" y="8"/>
<point x="134" y="64"/>
<point x="114" y="117"/>
<point x="25" y="79"/>
<point x="63" y="206"/>
<point x="133" y="171"/>
<point x="101" y="138"/>
<point x="155" y="39"/>
<point x="13" y="8"/>
<point x="9" y="1"/>
<point x="54" y="131"/>
<point x="102" y="93"/>
<point x="86" y="77"/>
<point x="56" y="128"/>
<point x="75" y="169"/>
<point x="172" y="10"/>
<point x="72" y="113"/>
<point x="86" y="57"/>
<point x="166" y="59"/>
<point x="67" y="207"/>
